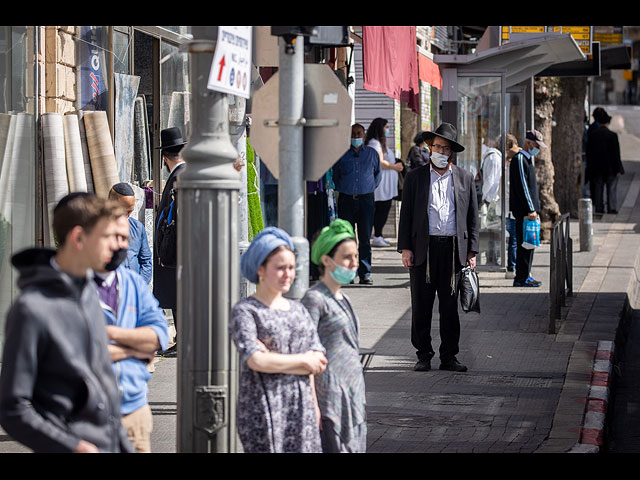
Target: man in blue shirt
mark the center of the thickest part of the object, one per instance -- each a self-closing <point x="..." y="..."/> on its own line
<point x="137" y="328"/>
<point x="356" y="176"/>
<point x="139" y="254"/>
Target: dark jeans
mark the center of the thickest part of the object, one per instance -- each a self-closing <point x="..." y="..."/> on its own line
<point x="441" y="251"/>
<point x="598" y="183"/>
<point x="359" y="211"/>
<point x="380" y="215"/>
<point x="512" y="245"/>
<point x="524" y="256"/>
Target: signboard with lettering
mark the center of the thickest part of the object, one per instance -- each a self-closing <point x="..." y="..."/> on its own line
<point x="231" y="67"/>
<point x="583" y="35"/>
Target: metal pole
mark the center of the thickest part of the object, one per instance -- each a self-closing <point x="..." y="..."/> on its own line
<point x="585" y="214"/>
<point x="207" y="273"/>
<point x="291" y="185"/>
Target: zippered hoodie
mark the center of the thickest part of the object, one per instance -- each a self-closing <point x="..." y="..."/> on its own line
<point x="56" y="383"/>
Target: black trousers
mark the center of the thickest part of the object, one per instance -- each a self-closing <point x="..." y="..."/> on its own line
<point x="423" y="294"/>
<point x="524" y="256"/>
<point x="380" y="214"/>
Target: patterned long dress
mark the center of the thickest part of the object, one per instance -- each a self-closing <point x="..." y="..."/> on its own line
<point x="275" y="411"/>
<point x="340" y="388"/>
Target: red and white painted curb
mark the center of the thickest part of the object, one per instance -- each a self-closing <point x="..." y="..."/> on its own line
<point x="591" y="434"/>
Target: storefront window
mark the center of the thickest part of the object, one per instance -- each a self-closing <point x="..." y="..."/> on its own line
<point x="480" y="131"/>
<point x="174" y="74"/>
<point x="17" y="155"/>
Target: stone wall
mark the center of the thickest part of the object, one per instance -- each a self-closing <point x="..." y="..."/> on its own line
<point x="59" y="69"/>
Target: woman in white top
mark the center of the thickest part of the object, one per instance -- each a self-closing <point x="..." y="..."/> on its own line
<point x="376" y="138"/>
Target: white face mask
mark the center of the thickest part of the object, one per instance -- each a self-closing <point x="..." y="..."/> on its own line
<point x="440" y="160"/>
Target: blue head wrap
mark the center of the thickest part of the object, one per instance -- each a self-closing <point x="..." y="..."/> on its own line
<point x="262" y="245"/>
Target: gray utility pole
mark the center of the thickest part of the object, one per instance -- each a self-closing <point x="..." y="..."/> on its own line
<point x="207" y="273"/>
<point x="291" y="191"/>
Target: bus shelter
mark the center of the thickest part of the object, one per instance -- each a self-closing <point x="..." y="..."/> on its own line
<point x="486" y="95"/>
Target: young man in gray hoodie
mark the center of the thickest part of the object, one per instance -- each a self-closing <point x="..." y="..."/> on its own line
<point x="58" y="392"/>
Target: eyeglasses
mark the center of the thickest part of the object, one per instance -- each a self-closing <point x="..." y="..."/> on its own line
<point x="441" y="148"/>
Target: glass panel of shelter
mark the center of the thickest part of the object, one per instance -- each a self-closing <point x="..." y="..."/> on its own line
<point x="481" y="131"/>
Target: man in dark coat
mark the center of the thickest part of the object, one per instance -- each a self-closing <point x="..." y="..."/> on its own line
<point x="164" y="277"/>
<point x="437" y="235"/>
<point x="58" y="392"/>
<point x="604" y="164"/>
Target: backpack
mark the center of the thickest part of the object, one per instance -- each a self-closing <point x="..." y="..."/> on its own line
<point x="167" y="234"/>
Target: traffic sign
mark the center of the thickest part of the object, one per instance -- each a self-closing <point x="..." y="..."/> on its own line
<point x="327" y="121"/>
<point x="231" y="66"/>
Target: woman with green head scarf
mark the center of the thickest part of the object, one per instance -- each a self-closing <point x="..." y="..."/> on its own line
<point x="340" y="388"/>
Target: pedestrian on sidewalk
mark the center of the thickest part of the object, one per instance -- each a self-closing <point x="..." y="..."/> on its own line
<point x="57" y="388"/>
<point x="356" y="175"/>
<point x="139" y="257"/>
<point x="512" y="241"/>
<point x="437" y="236"/>
<point x="340" y="388"/>
<point x="164" y="274"/>
<point x="137" y="328"/>
<point x="604" y="164"/>
<point x="387" y="189"/>
<point x="418" y="153"/>
<point x="280" y="353"/>
<point x="524" y="203"/>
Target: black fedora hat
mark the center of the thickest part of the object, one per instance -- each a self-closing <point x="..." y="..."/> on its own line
<point x="448" y="132"/>
<point x="171" y="139"/>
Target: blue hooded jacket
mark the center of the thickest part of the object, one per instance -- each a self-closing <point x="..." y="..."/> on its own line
<point x="137" y="307"/>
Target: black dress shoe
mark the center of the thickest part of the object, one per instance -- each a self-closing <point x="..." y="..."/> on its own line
<point x="171" y="351"/>
<point x="422" y="366"/>
<point x="366" y="280"/>
<point x="453" y="366"/>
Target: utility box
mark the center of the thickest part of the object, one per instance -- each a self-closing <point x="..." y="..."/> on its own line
<point x="326" y="120"/>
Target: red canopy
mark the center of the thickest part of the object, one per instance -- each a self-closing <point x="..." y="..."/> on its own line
<point x="390" y="62"/>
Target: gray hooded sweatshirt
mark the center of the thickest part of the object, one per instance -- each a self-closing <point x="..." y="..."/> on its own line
<point x="56" y="382"/>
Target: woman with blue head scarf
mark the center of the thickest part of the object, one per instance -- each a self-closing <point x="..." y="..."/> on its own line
<point x="340" y="388"/>
<point x="280" y="352"/>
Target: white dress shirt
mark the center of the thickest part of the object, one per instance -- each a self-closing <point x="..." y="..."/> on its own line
<point x="442" y="208"/>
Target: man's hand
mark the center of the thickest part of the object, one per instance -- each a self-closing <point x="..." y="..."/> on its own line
<point x="407" y="258"/>
<point x="532" y="216"/>
<point x="471" y="259"/>
<point x="86" y="447"/>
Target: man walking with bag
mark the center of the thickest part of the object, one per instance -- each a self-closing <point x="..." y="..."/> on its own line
<point x="437" y="235"/>
<point x="524" y="203"/>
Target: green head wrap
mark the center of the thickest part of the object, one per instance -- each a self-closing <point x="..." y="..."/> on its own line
<point x="329" y="237"/>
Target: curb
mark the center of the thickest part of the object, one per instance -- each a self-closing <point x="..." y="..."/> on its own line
<point x="592" y="431"/>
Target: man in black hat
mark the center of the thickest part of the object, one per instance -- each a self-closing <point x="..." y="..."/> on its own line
<point x="604" y="164"/>
<point x="164" y="276"/>
<point x="437" y="235"/>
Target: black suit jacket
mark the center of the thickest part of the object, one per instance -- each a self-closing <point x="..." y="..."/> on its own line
<point x="164" y="278"/>
<point x="603" y="153"/>
<point x="413" y="230"/>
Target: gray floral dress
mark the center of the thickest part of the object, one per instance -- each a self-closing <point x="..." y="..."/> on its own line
<point x="275" y="411"/>
<point x="340" y="388"/>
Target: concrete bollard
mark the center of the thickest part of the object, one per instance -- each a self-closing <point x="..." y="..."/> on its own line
<point x="585" y="215"/>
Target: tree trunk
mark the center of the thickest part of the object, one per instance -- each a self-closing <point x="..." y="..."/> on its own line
<point x="567" y="134"/>
<point x="546" y="92"/>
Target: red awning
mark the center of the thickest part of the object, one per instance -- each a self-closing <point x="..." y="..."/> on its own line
<point x="429" y="71"/>
<point x="390" y="63"/>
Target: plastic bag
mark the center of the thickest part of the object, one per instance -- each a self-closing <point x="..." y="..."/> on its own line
<point x="469" y="290"/>
<point x="531" y="233"/>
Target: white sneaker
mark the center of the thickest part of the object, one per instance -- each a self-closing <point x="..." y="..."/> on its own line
<point x="379" y="242"/>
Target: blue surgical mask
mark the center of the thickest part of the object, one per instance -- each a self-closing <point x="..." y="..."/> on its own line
<point x="440" y="160"/>
<point x="343" y="275"/>
<point x="357" y="142"/>
<point x="534" y="151"/>
<point x="386" y="132"/>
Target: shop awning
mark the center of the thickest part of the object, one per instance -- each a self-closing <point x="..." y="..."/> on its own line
<point x="429" y="72"/>
<point x="519" y="59"/>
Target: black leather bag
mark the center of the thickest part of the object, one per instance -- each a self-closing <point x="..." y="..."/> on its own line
<point x="167" y="235"/>
<point x="469" y="290"/>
